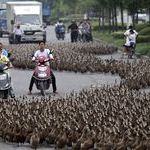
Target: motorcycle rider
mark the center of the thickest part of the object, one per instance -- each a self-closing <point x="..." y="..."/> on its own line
<point x="86" y="26"/>
<point x="58" y="26"/>
<point x="48" y="54"/>
<point x="4" y="60"/>
<point x="127" y="34"/>
<point x="74" y="31"/>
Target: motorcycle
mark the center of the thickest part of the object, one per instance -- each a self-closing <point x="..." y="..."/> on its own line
<point x="130" y="50"/>
<point x="60" y="32"/>
<point x="84" y="35"/>
<point x="42" y="75"/>
<point x="5" y="82"/>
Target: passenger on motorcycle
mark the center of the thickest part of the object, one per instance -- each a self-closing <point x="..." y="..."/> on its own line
<point x="45" y="53"/>
<point x="3" y="51"/>
<point x="5" y="60"/>
<point x="85" y="28"/>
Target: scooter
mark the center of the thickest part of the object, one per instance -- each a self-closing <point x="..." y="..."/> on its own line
<point x="60" y="34"/>
<point x="5" y="82"/>
<point x="130" y="50"/>
<point x="85" y="35"/>
<point x="42" y="74"/>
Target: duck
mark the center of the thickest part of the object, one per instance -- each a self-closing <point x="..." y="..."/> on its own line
<point x="34" y="140"/>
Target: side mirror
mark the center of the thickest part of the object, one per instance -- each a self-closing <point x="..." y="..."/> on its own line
<point x="32" y="54"/>
<point x="9" y="54"/>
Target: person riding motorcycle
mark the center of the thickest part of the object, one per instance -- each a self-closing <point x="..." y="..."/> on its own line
<point x="85" y="28"/>
<point x="74" y="31"/>
<point x="127" y="34"/>
<point x="48" y="54"/>
<point x="59" y="28"/>
<point x="5" y="60"/>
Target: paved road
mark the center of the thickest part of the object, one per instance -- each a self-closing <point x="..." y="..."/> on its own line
<point x="51" y="37"/>
<point x="66" y="81"/>
<point x="9" y="146"/>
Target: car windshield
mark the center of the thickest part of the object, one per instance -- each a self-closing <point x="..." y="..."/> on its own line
<point x="27" y="19"/>
<point x="3" y="14"/>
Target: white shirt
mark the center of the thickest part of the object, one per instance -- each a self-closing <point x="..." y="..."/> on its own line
<point x="46" y="53"/>
<point x="130" y="38"/>
<point x="59" y="24"/>
<point x="18" y="31"/>
<point x="127" y="33"/>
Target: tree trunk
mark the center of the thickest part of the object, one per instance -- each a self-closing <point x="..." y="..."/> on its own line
<point x="109" y="19"/>
<point x="133" y="20"/>
<point x="103" y="19"/>
<point x="113" y="20"/>
<point x="115" y="17"/>
<point x="136" y="11"/>
<point x="122" y="18"/>
<point x="100" y="20"/>
<point x="137" y="18"/>
<point x="149" y="14"/>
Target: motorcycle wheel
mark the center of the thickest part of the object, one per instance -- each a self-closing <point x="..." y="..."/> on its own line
<point x="6" y="94"/>
<point x="42" y="88"/>
<point x="130" y="53"/>
<point x="84" y="38"/>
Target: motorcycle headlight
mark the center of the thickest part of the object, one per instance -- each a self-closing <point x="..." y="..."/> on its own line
<point x="42" y="75"/>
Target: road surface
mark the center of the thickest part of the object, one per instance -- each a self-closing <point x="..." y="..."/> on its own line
<point x="66" y="81"/>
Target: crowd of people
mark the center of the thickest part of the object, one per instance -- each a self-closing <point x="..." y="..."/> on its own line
<point x="79" y="32"/>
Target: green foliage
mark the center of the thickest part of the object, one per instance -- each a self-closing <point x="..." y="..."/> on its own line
<point x="139" y="27"/>
<point x="118" y="35"/>
<point x="143" y="48"/>
<point x="143" y="38"/>
<point x="108" y="38"/>
<point x="145" y="31"/>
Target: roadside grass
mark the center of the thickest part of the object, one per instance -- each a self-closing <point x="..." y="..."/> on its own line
<point x="142" y="48"/>
<point x="108" y="38"/>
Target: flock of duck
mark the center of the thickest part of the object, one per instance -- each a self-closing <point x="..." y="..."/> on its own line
<point x="111" y="117"/>
<point x="97" y="118"/>
<point x="73" y="57"/>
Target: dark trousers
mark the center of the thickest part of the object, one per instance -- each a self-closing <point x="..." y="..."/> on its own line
<point x="53" y="82"/>
<point x="18" y="39"/>
<point x="74" y="36"/>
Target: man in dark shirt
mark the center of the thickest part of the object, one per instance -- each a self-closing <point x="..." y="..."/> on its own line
<point x="74" y="31"/>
